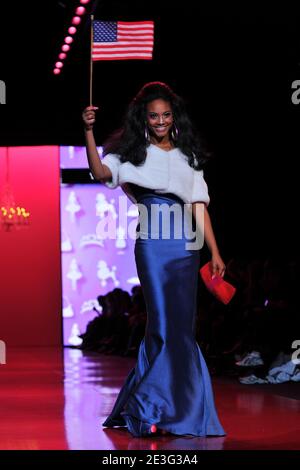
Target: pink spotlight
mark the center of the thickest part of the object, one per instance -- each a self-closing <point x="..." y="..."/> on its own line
<point x="84" y="2"/>
<point x="62" y="55"/>
<point x="68" y="40"/>
<point x="65" y="48"/>
<point x="56" y="71"/>
<point x="72" y="30"/>
<point x="80" y="11"/>
<point x="76" y="20"/>
<point x="59" y="65"/>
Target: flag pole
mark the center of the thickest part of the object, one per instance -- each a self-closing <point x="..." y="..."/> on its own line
<point x="91" y="63"/>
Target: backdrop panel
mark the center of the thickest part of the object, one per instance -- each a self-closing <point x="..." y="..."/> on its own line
<point x="31" y="296"/>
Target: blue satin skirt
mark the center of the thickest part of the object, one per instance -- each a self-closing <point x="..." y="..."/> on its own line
<point x="170" y="384"/>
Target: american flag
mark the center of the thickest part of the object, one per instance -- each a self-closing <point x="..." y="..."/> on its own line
<point x="119" y="40"/>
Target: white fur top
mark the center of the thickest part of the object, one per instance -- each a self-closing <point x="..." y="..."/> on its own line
<point x="163" y="171"/>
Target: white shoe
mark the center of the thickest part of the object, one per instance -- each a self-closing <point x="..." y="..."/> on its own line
<point x="252" y="379"/>
<point x="251" y="359"/>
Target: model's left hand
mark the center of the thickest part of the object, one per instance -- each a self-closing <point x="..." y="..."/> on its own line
<point x="218" y="265"/>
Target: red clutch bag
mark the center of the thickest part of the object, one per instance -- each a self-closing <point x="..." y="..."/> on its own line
<point x="222" y="290"/>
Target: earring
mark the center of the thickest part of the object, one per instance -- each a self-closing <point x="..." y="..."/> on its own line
<point x="174" y="132"/>
<point x="147" y="134"/>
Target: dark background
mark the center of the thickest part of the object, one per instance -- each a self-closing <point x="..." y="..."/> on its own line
<point x="233" y="65"/>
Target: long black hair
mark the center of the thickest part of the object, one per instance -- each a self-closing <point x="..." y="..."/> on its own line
<point x="130" y="142"/>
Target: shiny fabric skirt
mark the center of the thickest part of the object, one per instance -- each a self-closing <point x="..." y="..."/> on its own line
<point x="170" y="384"/>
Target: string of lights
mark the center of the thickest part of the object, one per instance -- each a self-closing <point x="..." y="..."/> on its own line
<point x="79" y="12"/>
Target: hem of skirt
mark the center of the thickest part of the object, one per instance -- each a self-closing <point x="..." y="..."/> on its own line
<point x="211" y="430"/>
<point x="110" y="422"/>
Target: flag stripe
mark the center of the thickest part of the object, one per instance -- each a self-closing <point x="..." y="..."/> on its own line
<point x="136" y="31"/>
<point x="121" y="53"/>
<point x="123" y="44"/>
<point x="116" y="48"/>
<point x="135" y="28"/>
<point x="120" y="56"/>
<point x="133" y="24"/>
<point x="134" y="37"/>
<point x="133" y="51"/>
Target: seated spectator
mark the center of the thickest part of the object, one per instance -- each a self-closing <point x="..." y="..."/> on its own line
<point x="137" y="321"/>
<point x="116" y="333"/>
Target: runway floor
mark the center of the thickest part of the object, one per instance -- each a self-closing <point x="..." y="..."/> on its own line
<point x="57" y="399"/>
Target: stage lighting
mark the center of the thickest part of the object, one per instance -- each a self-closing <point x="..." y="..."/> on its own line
<point x="80" y="11"/>
<point x="76" y="20"/>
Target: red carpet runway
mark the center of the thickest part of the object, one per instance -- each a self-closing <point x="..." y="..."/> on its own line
<point x="57" y="399"/>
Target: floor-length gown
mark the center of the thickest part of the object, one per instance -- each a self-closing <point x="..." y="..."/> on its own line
<point x="170" y="384"/>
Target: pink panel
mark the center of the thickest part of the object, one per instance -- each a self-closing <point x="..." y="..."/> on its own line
<point x="30" y="303"/>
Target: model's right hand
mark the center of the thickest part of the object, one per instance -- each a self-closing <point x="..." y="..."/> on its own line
<point x="88" y="117"/>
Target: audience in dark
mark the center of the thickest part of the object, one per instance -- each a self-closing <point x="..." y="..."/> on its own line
<point x="243" y="338"/>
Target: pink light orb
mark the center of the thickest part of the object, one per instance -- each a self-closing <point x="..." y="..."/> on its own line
<point x="68" y="40"/>
<point x="84" y="2"/>
<point x="65" y="48"/>
<point x="72" y="30"/>
<point x="76" y="20"/>
<point x="62" y="55"/>
<point x="56" y="71"/>
<point x="59" y="65"/>
<point x="80" y="11"/>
